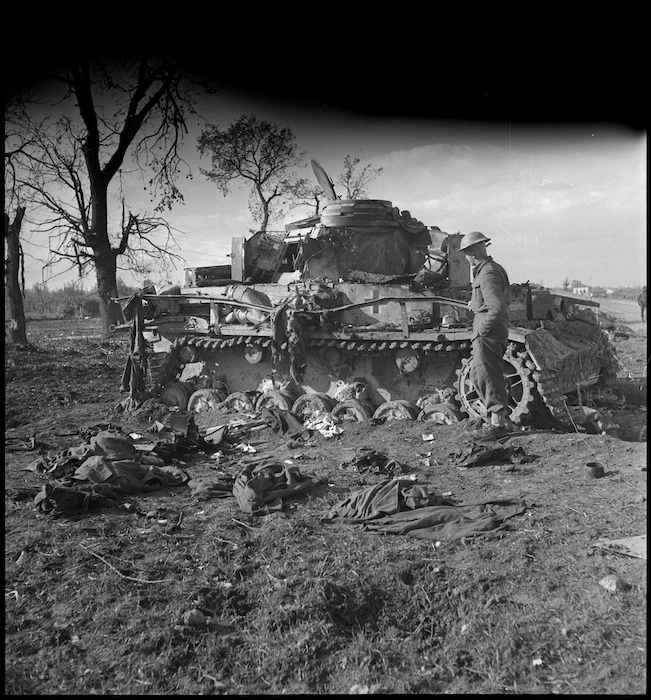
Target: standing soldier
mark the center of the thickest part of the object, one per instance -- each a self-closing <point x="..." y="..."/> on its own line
<point x="491" y="296"/>
<point x="641" y="300"/>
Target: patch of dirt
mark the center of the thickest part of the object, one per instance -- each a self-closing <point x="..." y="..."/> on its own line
<point x="166" y="592"/>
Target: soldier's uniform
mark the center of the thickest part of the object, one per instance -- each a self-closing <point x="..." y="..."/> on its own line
<point x="491" y="296"/>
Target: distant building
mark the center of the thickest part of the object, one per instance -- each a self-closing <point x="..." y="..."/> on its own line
<point x="581" y="290"/>
<point x="609" y="292"/>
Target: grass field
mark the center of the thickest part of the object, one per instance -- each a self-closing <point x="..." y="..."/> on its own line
<point x="166" y="592"/>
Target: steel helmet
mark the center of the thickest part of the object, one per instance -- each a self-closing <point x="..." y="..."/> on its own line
<point x="471" y="238"/>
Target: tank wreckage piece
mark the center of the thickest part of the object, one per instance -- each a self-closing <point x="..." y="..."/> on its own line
<point x="362" y="311"/>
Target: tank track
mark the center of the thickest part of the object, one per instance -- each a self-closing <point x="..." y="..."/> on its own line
<point x="203" y="342"/>
<point x="539" y="389"/>
<point x="188" y="348"/>
<point x="555" y="399"/>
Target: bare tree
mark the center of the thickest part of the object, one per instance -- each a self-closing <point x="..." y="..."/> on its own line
<point x="260" y="153"/>
<point x="14" y="279"/>
<point x="14" y="259"/>
<point x="356" y="180"/>
<point x="115" y="122"/>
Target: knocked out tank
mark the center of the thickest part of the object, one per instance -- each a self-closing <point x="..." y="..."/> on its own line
<point x="362" y="312"/>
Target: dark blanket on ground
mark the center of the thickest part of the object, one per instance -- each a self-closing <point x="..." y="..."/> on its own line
<point x="401" y="507"/>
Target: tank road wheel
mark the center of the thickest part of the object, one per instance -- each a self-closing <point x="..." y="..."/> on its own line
<point x="240" y="401"/>
<point x="278" y="398"/>
<point x="205" y="400"/>
<point x="306" y="404"/>
<point x="441" y="413"/>
<point x="353" y="410"/>
<point x="518" y="381"/>
<point x="176" y="394"/>
<point x="253" y="354"/>
<point x="188" y="354"/>
<point x="397" y="410"/>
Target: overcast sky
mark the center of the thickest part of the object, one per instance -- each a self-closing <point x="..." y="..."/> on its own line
<point x="559" y="199"/>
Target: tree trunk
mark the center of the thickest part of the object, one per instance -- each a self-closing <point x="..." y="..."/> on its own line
<point x="110" y="311"/>
<point x="105" y="256"/>
<point x="16" y="333"/>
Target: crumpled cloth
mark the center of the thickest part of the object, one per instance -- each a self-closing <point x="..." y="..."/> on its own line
<point x="133" y="376"/>
<point x="392" y="507"/>
<point x="111" y="458"/>
<point x="384" y="498"/>
<point x="369" y="460"/>
<point x="476" y="453"/>
<point x="59" y="500"/>
<point x="107" y="443"/>
<point x="128" y="476"/>
<point x="286" y="328"/>
<point x="284" y="422"/>
<point x="210" y="488"/>
<point x="260" y="489"/>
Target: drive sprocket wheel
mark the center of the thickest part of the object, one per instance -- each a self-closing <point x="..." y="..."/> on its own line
<point x="518" y="368"/>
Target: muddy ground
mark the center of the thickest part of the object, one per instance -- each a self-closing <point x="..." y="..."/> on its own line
<point x="172" y="591"/>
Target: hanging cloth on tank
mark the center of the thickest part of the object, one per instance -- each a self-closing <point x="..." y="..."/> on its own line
<point x="286" y="328"/>
<point x="133" y="377"/>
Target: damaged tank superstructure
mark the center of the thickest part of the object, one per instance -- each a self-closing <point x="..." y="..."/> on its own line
<point x="362" y="311"/>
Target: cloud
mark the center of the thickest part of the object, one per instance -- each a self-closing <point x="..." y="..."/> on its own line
<point x="551" y="185"/>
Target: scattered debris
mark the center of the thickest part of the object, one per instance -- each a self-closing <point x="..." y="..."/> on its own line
<point x="630" y="546"/>
<point x="370" y="460"/>
<point x="595" y="469"/>
<point x="195" y="618"/>
<point x="358" y="689"/>
<point x="211" y="488"/>
<point x="613" y="583"/>
<point x="260" y="489"/>
<point x="324" y="423"/>
<point x="17" y="443"/>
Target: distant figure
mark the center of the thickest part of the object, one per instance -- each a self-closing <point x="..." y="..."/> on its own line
<point x="641" y="300"/>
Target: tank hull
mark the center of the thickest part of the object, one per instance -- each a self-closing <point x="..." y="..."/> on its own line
<point x="374" y="340"/>
<point x="366" y="303"/>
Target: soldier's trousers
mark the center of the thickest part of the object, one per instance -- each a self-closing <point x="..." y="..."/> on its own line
<point x="487" y="373"/>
